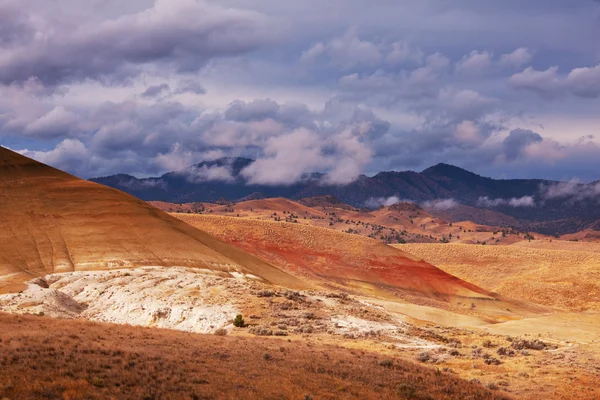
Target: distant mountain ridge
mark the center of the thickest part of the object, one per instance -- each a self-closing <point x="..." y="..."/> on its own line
<point x="523" y="200"/>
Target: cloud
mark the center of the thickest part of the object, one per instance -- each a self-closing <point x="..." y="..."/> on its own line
<point x="475" y="63"/>
<point x="405" y="84"/>
<point x="206" y="173"/>
<point x="407" y="88"/>
<point x="574" y="190"/>
<point x="517" y="58"/>
<point x="346" y="51"/>
<point x="525" y="201"/>
<point x="376" y="202"/>
<point x="138" y="184"/>
<point x="441" y="205"/>
<point x="515" y="144"/>
<point x="182" y="35"/>
<point x="581" y="82"/>
<point x="67" y="155"/>
<point x="191" y="86"/>
<point x="291" y="157"/>
<point x="55" y="123"/>
<point x="156" y="90"/>
<point x="258" y="109"/>
<point x="468" y="132"/>
<point x="546" y="83"/>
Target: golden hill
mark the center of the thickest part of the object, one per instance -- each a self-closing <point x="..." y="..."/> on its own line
<point x="351" y="262"/>
<point x="54" y="222"/>
<point x="559" y="274"/>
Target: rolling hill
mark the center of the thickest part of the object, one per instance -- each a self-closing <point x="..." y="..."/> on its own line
<point x="355" y="264"/>
<point x="54" y="222"/>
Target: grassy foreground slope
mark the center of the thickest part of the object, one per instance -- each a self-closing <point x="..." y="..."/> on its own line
<point x="54" y="222"/>
<point x="60" y="359"/>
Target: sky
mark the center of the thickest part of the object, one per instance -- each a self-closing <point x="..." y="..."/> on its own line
<point x="508" y="89"/>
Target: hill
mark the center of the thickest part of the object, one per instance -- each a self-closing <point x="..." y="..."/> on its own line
<point x="54" y="222"/>
<point x="518" y="203"/>
<point x="399" y="223"/>
<point x="354" y="264"/>
<point x="564" y="275"/>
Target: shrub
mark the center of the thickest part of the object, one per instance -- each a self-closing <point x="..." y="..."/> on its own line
<point x="492" y="361"/>
<point x="239" y="321"/>
<point x="535" y="344"/>
<point x="424" y="357"/>
<point x="98" y="382"/>
<point x="407" y="391"/>
<point x="387" y="363"/>
<point x="221" y="332"/>
<point x="505" y="351"/>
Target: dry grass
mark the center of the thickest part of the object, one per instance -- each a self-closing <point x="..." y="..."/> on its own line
<point x="58" y="359"/>
<point x="559" y="278"/>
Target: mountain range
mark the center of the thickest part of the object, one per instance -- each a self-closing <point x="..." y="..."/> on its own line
<point x="550" y="207"/>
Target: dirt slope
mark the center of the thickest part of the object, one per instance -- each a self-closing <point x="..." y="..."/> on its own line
<point x="54" y="222"/>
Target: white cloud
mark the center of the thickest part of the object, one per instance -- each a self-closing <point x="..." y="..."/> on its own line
<point x="574" y="189"/>
<point x="346" y="51"/>
<point x="517" y="58"/>
<point x="475" y="63"/>
<point x="376" y="202"/>
<point x="441" y="205"/>
<point x="525" y="201"/>
<point x="208" y="174"/>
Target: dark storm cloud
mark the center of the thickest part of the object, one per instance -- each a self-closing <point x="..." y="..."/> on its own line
<point x="15" y="27"/>
<point x="518" y="140"/>
<point x="181" y="34"/>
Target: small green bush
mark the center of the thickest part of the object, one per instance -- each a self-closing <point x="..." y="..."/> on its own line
<point x="238" y="321"/>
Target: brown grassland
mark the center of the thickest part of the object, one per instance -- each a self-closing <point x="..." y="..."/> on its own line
<point x="71" y="359"/>
<point x="556" y="274"/>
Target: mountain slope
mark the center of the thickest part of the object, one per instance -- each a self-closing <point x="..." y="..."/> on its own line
<point x="54" y="222"/>
<point x="442" y="181"/>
